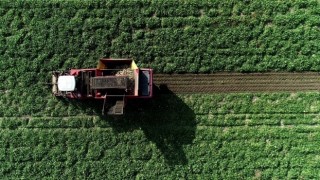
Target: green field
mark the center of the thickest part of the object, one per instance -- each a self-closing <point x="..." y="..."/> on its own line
<point x="186" y="136"/>
<point x="217" y="136"/>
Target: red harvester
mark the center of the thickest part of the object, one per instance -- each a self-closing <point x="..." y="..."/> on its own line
<point x="114" y="81"/>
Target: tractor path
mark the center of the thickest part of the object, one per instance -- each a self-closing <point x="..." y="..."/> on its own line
<point x="237" y="82"/>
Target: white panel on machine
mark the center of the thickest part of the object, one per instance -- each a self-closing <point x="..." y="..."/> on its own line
<point x="66" y="83"/>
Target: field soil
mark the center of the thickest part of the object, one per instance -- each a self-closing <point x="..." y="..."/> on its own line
<point x="237" y="82"/>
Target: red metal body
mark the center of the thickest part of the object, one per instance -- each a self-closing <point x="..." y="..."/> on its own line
<point x="97" y="94"/>
<point x="107" y="68"/>
<point x="114" y="80"/>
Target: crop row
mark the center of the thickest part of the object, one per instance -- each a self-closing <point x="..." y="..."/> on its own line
<point x="137" y="151"/>
<point x="214" y="132"/>
<point x="254" y="103"/>
<point x="168" y="36"/>
<point x="223" y="121"/>
<point x="37" y="101"/>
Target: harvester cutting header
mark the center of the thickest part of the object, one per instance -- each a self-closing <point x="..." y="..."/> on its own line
<point x="114" y="81"/>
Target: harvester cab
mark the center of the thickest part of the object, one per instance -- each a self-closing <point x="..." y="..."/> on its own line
<point x="113" y="80"/>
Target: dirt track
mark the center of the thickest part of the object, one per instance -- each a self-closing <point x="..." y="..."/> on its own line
<point x="237" y="82"/>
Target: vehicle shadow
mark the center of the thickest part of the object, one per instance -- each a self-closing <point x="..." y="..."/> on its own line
<point x="165" y="120"/>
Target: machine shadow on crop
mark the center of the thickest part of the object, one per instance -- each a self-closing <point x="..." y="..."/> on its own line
<point x="165" y="120"/>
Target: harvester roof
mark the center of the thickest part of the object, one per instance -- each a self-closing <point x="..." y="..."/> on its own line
<point x="66" y="83"/>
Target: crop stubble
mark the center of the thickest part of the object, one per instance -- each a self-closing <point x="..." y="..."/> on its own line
<point x="237" y="82"/>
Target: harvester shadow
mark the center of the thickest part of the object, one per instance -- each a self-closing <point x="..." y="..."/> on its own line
<point x="165" y="120"/>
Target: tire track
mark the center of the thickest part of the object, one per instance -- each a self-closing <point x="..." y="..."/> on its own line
<point x="237" y="82"/>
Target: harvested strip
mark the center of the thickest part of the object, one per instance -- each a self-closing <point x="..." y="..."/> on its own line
<point x="237" y="82"/>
